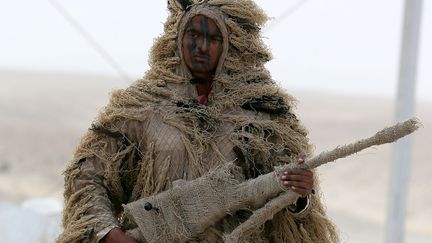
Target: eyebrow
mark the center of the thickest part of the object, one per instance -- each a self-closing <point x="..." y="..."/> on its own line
<point x="193" y="29"/>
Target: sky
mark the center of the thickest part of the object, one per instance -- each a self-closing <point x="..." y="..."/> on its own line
<point x="342" y="46"/>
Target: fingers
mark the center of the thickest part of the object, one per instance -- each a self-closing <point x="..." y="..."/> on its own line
<point x="298" y="172"/>
<point x="301" y="191"/>
<point x="300" y="181"/>
<point x="307" y="177"/>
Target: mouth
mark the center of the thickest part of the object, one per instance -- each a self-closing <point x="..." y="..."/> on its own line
<point x="201" y="58"/>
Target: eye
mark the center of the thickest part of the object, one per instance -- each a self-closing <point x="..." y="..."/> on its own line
<point x="192" y="34"/>
<point x="216" y="39"/>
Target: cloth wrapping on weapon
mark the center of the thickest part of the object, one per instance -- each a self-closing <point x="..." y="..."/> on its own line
<point x="185" y="211"/>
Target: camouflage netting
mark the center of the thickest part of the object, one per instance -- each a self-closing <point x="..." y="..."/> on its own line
<point x="154" y="132"/>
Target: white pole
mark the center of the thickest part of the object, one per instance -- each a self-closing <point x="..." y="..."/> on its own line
<point x="405" y="106"/>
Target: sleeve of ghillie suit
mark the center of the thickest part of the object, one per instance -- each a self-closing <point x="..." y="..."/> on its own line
<point x="306" y="221"/>
<point x="270" y="141"/>
<point x="93" y="188"/>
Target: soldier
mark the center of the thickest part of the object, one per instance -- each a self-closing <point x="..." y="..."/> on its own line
<point x="206" y="100"/>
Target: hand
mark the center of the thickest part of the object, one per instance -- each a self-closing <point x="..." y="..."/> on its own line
<point x="300" y="181"/>
<point x="117" y="235"/>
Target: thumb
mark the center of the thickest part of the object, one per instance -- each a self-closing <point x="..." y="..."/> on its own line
<point x="301" y="159"/>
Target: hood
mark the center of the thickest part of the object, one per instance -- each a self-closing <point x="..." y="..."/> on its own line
<point x="244" y="53"/>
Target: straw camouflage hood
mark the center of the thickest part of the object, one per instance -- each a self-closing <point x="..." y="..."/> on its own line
<point x="155" y="132"/>
<point x="242" y="59"/>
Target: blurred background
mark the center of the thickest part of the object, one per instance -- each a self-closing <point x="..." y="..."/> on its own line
<point x="60" y="59"/>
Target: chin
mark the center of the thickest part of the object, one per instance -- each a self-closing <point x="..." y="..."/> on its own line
<point x="202" y="70"/>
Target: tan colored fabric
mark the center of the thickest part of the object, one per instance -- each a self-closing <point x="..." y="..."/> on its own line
<point x="154" y="132"/>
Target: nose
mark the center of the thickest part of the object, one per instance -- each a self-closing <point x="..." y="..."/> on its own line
<point x="203" y="45"/>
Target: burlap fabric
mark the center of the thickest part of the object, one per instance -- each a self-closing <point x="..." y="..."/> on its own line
<point x="154" y="133"/>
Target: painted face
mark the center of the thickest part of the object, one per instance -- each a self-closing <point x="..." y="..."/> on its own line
<point x="202" y="46"/>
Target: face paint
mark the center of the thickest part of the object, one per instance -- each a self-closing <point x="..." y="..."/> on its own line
<point x="202" y="46"/>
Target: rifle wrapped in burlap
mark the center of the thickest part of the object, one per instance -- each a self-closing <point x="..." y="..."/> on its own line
<point x="184" y="212"/>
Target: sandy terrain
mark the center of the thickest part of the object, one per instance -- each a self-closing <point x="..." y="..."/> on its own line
<point x="42" y="117"/>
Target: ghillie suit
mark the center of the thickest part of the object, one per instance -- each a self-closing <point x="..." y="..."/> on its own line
<point x="155" y="132"/>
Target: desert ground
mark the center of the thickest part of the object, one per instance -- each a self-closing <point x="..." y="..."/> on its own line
<point x="43" y="116"/>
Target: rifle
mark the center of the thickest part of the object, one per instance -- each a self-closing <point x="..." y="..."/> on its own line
<point x="189" y="208"/>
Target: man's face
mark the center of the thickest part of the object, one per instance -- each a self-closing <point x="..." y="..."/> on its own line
<point x="202" y="46"/>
